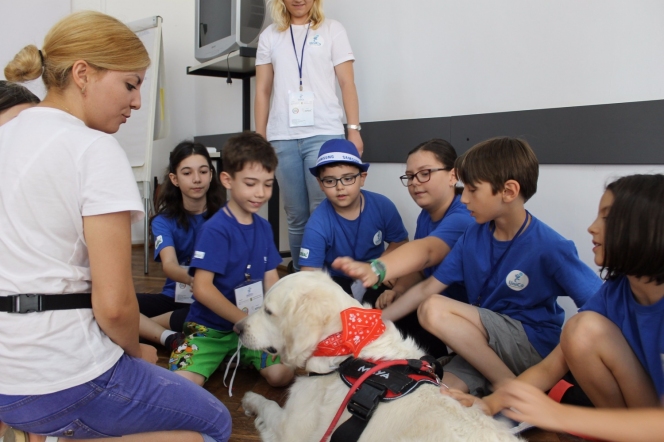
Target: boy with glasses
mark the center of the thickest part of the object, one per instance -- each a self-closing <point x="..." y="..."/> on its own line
<point x="350" y="221"/>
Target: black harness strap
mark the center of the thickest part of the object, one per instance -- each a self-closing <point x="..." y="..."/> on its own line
<point x="384" y="385"/>
<point x="32" y="302"/>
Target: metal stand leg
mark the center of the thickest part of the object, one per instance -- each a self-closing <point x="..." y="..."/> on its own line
<point x="146" y="232"/>
<point x="147" y="200"/>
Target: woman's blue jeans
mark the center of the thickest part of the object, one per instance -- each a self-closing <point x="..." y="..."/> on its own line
<point x="299" y="188"/>
<point x="132" y="397"/>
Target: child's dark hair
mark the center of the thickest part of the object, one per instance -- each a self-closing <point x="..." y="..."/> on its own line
<point x="169" y="202"/>
<point x="335" y="164"/>
<point x="12" y="94"/>
<point x="634" y="232"/>
<point x="497" y="160"/>
<point x="442" y="150"/>
<point x="247" y="148"/>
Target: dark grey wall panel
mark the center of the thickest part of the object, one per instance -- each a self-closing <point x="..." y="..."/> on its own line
<point x="622" y="133"/>
<point x="390" y="141"/>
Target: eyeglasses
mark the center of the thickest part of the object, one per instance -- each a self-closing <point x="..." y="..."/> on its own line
<point x="422" y="176"/>
<point x="330" y="182"/>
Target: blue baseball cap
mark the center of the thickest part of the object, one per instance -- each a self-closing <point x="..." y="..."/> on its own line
<point x="338" y="150"/>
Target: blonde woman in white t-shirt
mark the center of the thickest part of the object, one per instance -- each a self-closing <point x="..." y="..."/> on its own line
<point x="300" y="59"/>
<point x="72" y="365"/>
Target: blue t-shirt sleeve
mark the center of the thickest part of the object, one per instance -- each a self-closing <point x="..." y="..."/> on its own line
<point x="450" y="271"/>
<point x="314" y="242"/>
<point x="210" y="251"/>
<point x="395" y="231"/>
<point x="577" y="280"/>
<point x="163" y="235"/>
<point x="451" y="228"/>
<point x="596" y="303"/>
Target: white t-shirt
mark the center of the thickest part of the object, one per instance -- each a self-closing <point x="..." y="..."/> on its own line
<point x="53" y="171"/>
<point x="326" y="47"/>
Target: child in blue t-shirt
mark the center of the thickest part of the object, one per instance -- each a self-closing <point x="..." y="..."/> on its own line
<point x="615" y="346"/>
<point x="349" y="221"/>
<point x="431" y="182"/>
<point x="190" y="194"/>
<point x="514" y="268"/>
<point x="234" y="263"/>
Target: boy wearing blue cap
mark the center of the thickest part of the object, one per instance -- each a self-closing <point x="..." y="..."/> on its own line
<point x="350" y="221"/>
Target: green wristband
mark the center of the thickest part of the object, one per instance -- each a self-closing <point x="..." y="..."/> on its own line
<point x="378" y="267"/>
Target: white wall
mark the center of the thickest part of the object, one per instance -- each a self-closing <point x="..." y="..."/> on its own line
<point x="25" y="23"/>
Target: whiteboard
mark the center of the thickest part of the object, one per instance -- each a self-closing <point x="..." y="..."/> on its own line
<point x="137" y="135"/>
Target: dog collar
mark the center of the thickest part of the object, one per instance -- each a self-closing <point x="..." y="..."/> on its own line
<point x="360" y="327"/>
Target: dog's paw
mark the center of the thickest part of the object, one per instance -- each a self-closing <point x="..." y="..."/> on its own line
<point x="251" y="403"/>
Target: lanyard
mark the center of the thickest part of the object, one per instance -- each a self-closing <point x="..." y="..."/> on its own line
<point x="300" y="61"/>
<point x="495" y="265"/>
<point x="250" y="246"/>
<point x="353" y="245"/>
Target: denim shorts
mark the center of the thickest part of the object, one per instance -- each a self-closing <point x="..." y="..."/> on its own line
<point x="132" y="397"/>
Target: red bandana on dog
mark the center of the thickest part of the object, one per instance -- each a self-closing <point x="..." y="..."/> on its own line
<point x="360" y="327"/>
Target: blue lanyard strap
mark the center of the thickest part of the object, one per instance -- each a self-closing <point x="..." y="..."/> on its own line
<point x="251" y="246"/>
<point x="499" y="260"/>
<point x="300" y="60"/>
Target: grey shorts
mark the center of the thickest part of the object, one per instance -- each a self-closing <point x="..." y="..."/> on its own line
<point x="510" y="342"/>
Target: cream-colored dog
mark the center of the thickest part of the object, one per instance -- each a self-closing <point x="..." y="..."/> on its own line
<point x="300" y="311"/>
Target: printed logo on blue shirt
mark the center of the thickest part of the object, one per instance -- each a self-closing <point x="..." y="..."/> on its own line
<point x="158" y="241"/>
<point x="316" y="40"/>
<point x="264" y="259"/>
<point x="378" y="238"/>
<point x="199" y="255"/>
<point x="304" y="253"/>
<point x="517" y="280"/>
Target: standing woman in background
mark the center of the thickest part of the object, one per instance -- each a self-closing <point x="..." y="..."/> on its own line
<point x="14" y="98"/>
<point x="300" y="58"/>
<point x="72" y="365"/>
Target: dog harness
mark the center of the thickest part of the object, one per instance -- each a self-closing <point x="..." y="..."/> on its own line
<point x="370" y="382"/>
<point x="383" y="385"/>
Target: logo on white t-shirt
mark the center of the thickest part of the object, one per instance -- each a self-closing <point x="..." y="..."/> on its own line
<point x="304" y="253"/>
<point x="378" y="238"/>
<point x="517" y="280"/>
<point x="199" y="255"/>
<point x="317" y="40"/>
<point x="158" y="241"/>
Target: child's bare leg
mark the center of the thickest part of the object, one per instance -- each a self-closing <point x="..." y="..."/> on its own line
<point x="193" y="377"/>
<point x="278" y="375"/>
<point x="459" y="326"/>
<point x="150" y="329"/>
<point x="604" y="364"/>
<point x="164" y="320"/>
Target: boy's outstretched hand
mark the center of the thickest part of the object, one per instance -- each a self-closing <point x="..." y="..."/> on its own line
<point x="356" y="270"/>
<point x="525" y="403"/>
<point x="467" y="400"/>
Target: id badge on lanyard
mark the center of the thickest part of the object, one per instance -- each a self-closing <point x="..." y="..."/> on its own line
<point x="300" y="103"/>
<point x="249" y="296"/>
<point x="301" y="108"/>
<point x="183" y="292"/>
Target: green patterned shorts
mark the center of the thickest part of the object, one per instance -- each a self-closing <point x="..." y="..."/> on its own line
<point x="205" y="349"/>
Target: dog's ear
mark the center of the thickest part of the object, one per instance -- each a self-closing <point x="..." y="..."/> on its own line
<point x="306" y="321"/>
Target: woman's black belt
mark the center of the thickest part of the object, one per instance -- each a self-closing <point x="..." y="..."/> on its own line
<point x="33" y="302"/>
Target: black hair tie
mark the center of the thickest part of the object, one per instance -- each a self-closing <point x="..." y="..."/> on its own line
<point x="41" y="56"/>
